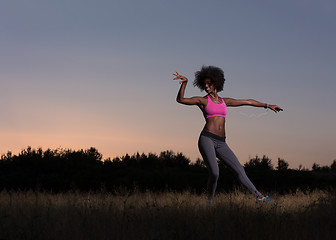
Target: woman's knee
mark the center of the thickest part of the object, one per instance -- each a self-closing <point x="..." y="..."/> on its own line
<point x="214" y="175"/>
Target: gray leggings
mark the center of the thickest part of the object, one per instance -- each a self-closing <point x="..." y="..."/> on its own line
<point x="212" y="146"/>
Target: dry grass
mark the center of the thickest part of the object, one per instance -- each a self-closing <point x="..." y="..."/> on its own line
<point x="30" y="215"/>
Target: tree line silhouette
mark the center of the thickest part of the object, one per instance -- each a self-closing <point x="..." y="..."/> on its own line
<point x="62" y="170"/>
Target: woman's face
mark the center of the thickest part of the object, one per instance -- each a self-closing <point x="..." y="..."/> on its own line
<point x="209" y="87"/>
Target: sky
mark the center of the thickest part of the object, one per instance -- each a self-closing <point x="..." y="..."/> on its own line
<point x="78" y="74"/>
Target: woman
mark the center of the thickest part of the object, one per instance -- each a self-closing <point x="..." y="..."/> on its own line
<point x="211" y="142"/>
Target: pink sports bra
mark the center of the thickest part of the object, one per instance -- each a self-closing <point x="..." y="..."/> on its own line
<point x="212" y="109"/>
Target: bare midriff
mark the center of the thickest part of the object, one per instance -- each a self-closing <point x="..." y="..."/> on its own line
<point x="215" y="125"/>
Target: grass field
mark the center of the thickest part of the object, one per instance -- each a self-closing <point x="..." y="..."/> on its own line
<point x="169" y="215"/>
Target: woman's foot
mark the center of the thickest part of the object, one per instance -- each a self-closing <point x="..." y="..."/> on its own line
<point x="210" y="202"/>
<point x="267" y="198"/>
<point x="262" y="198"/>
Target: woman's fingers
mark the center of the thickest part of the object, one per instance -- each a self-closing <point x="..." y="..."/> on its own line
<point x="178" y="76"/>
<point x="275" y="108"/>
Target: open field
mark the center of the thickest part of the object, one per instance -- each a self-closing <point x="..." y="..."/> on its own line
<point x="169" y="215"/>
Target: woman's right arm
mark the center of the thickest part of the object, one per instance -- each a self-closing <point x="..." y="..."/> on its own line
<point x="180" y="96"/>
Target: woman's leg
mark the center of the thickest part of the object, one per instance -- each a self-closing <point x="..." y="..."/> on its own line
<point x="225" y="154"/>
<point x="207" y="149"/>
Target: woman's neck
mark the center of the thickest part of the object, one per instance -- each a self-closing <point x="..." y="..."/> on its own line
<point x="213" y="95"/>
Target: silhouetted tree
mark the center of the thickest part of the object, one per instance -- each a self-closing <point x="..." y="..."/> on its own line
<point x="325" y="169"/>
<point x="129" y="161"/>
<point x="300" y="168"/>
<point x="263" y="163"/>
<point x="83" y="170"/>
<point x="316" y="167"/>
<point x="150" y="161"/>
<point x="171" y="160"/>
<point x="333" y="166"/>
<point x="6" y="156"/>
<point x="199" y="163"/>
<point x="282" y="165"/>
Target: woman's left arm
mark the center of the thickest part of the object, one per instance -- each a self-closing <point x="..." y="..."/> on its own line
<point x="241" y="102"/>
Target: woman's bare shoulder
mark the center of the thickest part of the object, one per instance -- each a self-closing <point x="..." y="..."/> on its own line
<point x="227" y="100"/>
<point x="203" y="99"/>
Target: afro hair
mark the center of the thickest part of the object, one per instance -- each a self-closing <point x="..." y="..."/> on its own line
<point x="214" y="73"/>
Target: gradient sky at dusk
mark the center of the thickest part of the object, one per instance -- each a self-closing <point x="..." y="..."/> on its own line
<point x="79" y="74"/>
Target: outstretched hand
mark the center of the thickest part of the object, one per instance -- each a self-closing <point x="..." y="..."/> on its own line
<point x="178" y="76"/>
<point x="275" y="108"/>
